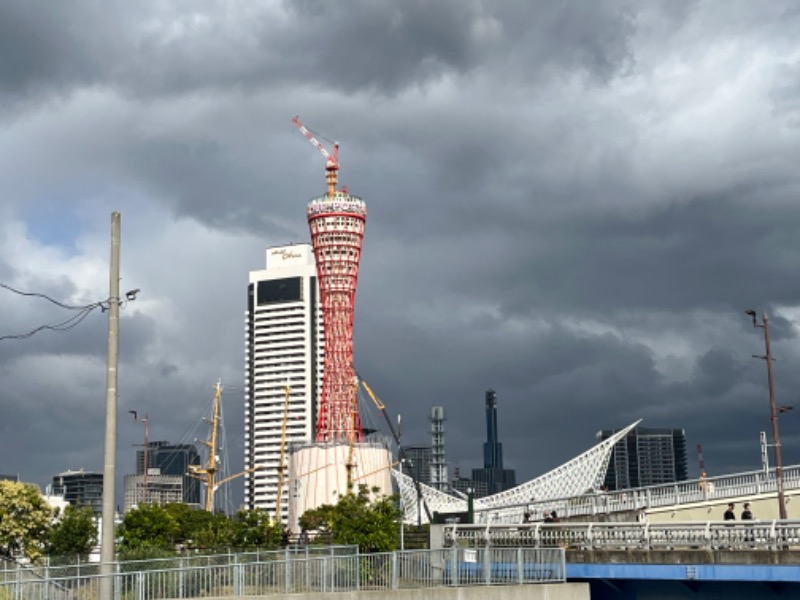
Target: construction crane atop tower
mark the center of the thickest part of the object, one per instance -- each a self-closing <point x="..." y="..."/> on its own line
<point x="331" y="158"/>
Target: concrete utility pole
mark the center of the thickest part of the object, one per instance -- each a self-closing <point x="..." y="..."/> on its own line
<point x="110" y="449"/>
<point x="773" y="409"/>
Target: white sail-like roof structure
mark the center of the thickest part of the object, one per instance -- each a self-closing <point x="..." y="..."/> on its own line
<point x="583" y="473"/>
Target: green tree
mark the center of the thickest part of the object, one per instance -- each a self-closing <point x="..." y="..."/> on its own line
<point x="148" y="527"/>
<point x="190" y="521"/>
<point x="372" y="524"/>
<point x="74" y="534"/>
<point x="214" y="532"/>
<point x="25" y="519"/>
<point x="255" y="529"/>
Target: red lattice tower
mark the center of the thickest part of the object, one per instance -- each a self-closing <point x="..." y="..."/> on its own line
<point x="336" y="222"/>
<point x="337" y="230"/>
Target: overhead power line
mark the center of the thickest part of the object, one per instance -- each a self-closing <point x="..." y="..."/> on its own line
<point x="81" y="312"/>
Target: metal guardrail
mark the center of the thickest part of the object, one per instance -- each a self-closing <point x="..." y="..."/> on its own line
<point x="737" y="485"/>
<point x="55" y="568"/>
<point x="711" y="535"/>
<point x="410" y="569"/>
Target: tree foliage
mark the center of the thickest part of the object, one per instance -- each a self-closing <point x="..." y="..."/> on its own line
<point x="372" y="524"/>
<point x="150" y="530"/>
<point x="149" y="527"/>
<point x="255" y="529"/>
<point x="25" y="520"/>
<point x="74" y="534"/>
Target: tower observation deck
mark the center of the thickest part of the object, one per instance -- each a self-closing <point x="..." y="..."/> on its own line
<point x="336" y="222"/>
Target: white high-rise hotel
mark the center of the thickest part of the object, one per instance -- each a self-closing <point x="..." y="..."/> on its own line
<point x="284" y="344"/>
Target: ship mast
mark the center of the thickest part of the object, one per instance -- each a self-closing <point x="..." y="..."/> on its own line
<point x="206" y="474"/>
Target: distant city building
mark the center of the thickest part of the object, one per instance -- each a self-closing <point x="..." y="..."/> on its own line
<point x="9" y="477"/>
<point x="165" y="459"/>
<point x="438" y="475"/>
<point x="284" y="345"/>
<point x="646" y="457"/>
<point x="160" y="489"/>
<point x="497" y="478"/>
<point x="465" y="486"/>
<point x="417" y="463"/>
<point x="80" y="488"/>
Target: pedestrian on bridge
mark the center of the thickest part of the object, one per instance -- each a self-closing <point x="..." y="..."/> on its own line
<point x="729" y="514"/>
<point x="748" y="516"/>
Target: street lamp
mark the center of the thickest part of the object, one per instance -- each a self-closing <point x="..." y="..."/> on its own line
<point x="146" y="448"/>
<point x="773" y="408"/>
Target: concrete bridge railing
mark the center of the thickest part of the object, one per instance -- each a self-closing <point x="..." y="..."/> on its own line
<point x="709" y="535"/>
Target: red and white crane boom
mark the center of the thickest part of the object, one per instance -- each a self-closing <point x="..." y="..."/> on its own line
<point x="331" y="158"/>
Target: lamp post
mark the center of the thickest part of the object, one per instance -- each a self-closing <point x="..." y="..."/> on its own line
<point x="143" y="420"/>
<point x="773" y="409"/>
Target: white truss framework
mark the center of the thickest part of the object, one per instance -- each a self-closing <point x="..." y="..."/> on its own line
<point x="574" y="478"/>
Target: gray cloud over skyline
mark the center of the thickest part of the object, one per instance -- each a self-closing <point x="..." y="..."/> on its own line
<point x="572" y="204"/>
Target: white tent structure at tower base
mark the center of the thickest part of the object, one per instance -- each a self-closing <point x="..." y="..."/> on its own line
<point x="582" y="474"/>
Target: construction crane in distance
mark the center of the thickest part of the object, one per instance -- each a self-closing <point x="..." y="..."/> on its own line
<point x="396" y="436"/>
<point x="331" y="158"/>
<point x="281" y="466"/>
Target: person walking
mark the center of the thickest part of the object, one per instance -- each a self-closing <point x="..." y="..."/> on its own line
<point x="729" y="514"/>
<point x="747" y="515"/>
<point x="285" y="537"/>
<point x="729" y="517"/>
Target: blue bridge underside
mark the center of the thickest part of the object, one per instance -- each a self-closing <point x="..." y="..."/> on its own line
<point x="757" y="573"/>
<point x="695" y="582"/>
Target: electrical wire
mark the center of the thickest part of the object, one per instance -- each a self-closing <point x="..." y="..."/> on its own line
<point x="48" y="298"/>
<point x="67" y="324"/>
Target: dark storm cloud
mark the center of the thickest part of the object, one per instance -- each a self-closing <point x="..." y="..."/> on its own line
<point x="366" y="46"/>
<point x="49" y="46"/>
<point x="710" y="252"/>
<point x="572" y="203"/>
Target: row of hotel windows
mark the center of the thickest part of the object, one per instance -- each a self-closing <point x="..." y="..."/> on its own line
<point x="279" y="345"/>
<point x="274" y="314"/>
<point x="281" y="328"/>
<point x="296" y="343"/>
<point x="279" y="368"/>
<point x="294" y="360"/>
<point x="262" y="316"/>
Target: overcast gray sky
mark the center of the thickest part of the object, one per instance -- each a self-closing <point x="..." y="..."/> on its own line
<point x="569" y="202"/>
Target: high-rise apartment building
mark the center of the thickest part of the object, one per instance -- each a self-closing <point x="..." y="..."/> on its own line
<point x="284" y="348"/>
<point x="646" y="457"/>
